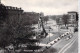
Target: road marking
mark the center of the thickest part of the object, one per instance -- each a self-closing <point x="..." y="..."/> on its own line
<point x="67" y="45"/>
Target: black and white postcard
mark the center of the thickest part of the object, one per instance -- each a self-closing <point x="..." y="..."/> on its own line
<point x="39" y="26"/>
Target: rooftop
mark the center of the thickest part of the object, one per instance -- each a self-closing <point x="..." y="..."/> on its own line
<point x="72" y="12"/>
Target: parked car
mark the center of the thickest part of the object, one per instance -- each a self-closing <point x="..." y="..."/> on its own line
<point x="59" y="38"/>
<point x="69" y="37"/>
<point x="66" y="33"/>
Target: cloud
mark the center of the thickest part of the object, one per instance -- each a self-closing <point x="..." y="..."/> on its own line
<point x="49" y="7"/>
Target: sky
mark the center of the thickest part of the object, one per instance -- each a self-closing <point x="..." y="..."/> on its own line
<point x="48" y="7"/>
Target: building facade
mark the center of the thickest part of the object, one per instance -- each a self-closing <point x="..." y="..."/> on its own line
<point x="73" y="17"/>
<point x="10" y="12"/>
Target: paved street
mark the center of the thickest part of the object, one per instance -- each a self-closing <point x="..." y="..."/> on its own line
<point x="61" y="46"/>
<point x="73" y="48"/>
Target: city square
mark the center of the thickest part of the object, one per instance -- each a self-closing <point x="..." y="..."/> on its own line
<point x="37" y="31"/>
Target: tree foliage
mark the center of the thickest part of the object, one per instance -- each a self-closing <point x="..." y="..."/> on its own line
<point x="45" y="18"/>
<point x="32" y="17"/>
<point x="57" y="20"/>
<point x="13" y="28"/>
<point x="65" y="19"/>
<point x="17" y="30"/>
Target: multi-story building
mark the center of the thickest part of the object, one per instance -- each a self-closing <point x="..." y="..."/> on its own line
<point x="14" y="11"/>
<point x="73" y="17"/>
<point x="10" y="12"/>
<point x="72" y="22"/>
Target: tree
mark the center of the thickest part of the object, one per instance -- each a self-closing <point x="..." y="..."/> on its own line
<point x="16" y="30"/>
<point x="53" y="17"/>
<point x="13" y="28"/>
<point x="32" y="17"/>
<point x="45" y="18"/>
<point x="57" y="20"/>
<point x="65" y="19"/>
